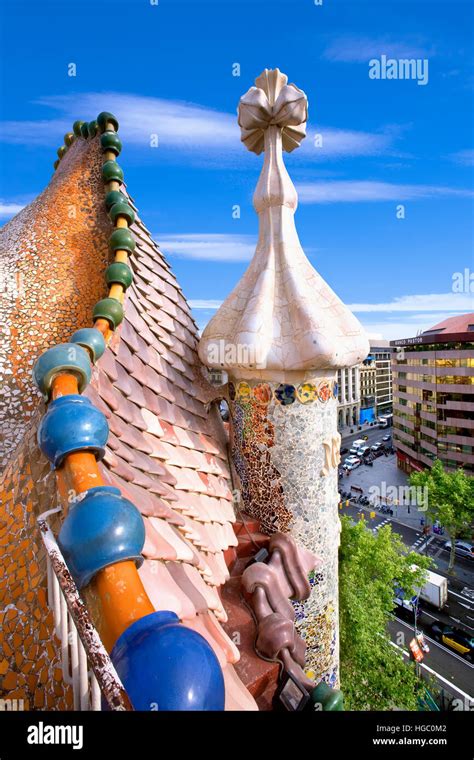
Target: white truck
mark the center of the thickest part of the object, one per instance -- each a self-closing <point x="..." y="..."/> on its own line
<point x="434" y="591"/>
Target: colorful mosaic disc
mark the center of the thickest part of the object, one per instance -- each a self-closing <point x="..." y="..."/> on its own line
<point x="306" y="392"/>
<point x="244" y="391"/>
<point x="324" y="391"/>
<point x="285" y="394"/>
<point x="262" y="393"/>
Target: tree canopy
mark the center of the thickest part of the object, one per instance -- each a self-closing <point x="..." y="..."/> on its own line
<point x="374" y="674"/>
<point x="450" y="499"/>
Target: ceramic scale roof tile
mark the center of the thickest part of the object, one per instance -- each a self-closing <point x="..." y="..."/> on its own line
<point x="167" y="448"/>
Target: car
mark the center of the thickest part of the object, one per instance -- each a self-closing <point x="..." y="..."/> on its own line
<point x="462" y="548"/>
<point x="354" y="450"/>
<point x="351" y="460"/>
<point x="375" y="447"/>
<point x="364" y="450"/>
<point x="454" y="638"/>
<point x="351" y="463"/>
<point x="344" y="450"/>
<point x="386" y="438"/>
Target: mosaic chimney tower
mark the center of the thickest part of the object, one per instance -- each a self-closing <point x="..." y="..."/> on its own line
<point x="281" y="335"/>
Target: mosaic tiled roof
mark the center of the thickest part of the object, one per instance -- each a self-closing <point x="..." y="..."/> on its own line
<point x="167" y="449"/>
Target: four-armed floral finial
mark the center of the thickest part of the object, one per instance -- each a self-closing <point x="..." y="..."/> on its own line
<point x="273" y="102"/>
<point x="283" y="318"/>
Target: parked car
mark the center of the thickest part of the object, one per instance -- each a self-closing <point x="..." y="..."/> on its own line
<point x="375" y="447"/>
<point x="364" y="450"/>
<point x="386" y="438"/>
<point x="462" y="548"/>
<point x="351" y="463"/>
<point x="344" y="450"/>
<point x="454" y="638"/>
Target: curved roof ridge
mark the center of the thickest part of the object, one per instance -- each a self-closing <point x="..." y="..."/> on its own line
<point x="165" y="453"/>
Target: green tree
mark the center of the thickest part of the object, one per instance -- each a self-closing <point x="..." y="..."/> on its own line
<point x="374" y="675"/>
<point x="449" y="499"/>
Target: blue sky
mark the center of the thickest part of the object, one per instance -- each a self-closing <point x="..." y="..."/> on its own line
<point x="166" y="69"/>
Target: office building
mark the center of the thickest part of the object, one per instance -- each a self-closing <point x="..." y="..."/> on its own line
<point x="381" y="351"/>
<point x="367" y="373"/>
<point x="433" y="381"/>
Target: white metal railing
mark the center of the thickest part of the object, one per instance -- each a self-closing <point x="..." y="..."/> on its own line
<point x="86" y="665"/>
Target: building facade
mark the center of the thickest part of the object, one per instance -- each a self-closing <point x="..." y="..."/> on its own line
<point x="433" y="407"/>
<point x="348" y="395"/>
<point x="382" y="351"/>
<point x="368" y="375"/>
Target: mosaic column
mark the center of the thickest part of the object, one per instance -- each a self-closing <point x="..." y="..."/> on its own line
<point x="281" y="335"/>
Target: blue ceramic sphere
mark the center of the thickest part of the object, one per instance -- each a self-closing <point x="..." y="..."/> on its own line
<point x="167" y="667"/>
<point x="72" y="423"/>
<point x="92" y="339"/>
<point x="100" y="530"/>
<point x="65" y="357"/>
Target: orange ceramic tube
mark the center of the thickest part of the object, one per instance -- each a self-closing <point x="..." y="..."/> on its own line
<point x="64" y="385"/>
<point x="121" y="256"/>
<point x="123" y="599"/>
<point x="119" y="589"/>
<point x="103" y="326"/>
<point x="116" y="291"/>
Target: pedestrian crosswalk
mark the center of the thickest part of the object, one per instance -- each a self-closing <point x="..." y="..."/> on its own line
<point x="422" y="542"/>
<point x="380" y="525"/>
<point x="417" y="542"/>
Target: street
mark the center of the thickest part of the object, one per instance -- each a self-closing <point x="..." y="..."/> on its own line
<point x="447" y="664"/>
<point x="459" y="611"/>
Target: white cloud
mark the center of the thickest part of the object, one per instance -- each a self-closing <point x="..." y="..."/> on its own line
<point x="344" y="142"/>
<point x="208" y="246"/>
<point x="414" y="313"/>
<point x="9" y="209"/>
<point x="432" y="302"/>
<point x="208" y="305"/>
<point x="465" y="157"/>
<point x="375" y="335"/>
<point x="388" y="330"/>
<point x="359" y="49"/>
<point x="181" y="127"/>
<point x="357" y="191"/>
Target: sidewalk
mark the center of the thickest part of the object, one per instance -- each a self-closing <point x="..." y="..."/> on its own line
<point x="381" y="476"/>
<point x="346" y="431"/>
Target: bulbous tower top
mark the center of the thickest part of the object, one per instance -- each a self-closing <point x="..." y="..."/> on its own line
<point x="282" y="319"/>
